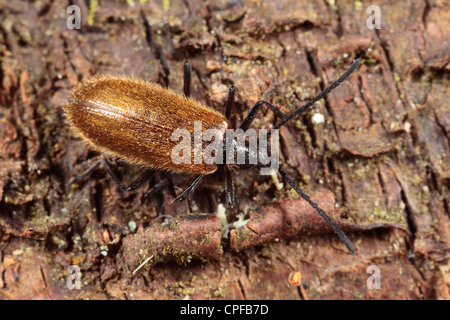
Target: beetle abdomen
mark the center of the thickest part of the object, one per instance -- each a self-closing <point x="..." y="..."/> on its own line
<point x="134" y="120"/>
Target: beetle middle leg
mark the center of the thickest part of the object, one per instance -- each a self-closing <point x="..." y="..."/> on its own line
<point x="84" y="175"/>
<point x="134" y="185"/>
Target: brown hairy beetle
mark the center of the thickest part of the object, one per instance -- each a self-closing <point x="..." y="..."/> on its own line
<point x="133" y="120"/>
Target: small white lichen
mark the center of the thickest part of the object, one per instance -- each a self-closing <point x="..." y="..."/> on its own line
<point x="240" y="222"/>
<point x="104" y="250"/>
<point x="318" y="118"/>
<point x="223" y="220"/>
<point x="132" y="226"/>
<point x="407" y="126"/>
<point x="279" y="185"/>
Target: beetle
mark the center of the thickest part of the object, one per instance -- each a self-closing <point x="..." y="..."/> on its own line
<point x="133" y="120"/>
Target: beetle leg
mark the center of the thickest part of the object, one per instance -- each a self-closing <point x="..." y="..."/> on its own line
<point x="136" y="184"/>
<point x="154" y="188"/>
<point x="335" y="228"/>
<point x="252" y="113"/>
<point x="189" y="189"/>
<point x="87" y="173"/>
<point x="229" y="187"/>
<point x="237" y="200"/>
<point x="187" y="78"/>
<point x="232" y="194"/>
<point x="230" y="102"/>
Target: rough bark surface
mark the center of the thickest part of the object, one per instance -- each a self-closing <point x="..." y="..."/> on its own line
<point x="379" y="163"/>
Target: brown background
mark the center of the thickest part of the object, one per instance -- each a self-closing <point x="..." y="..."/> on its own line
<point x="383" y="150"/>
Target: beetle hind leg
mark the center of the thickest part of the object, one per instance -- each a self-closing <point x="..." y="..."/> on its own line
<point x="190" y="188"/>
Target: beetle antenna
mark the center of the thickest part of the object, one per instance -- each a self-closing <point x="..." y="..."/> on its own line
<point x="335" y="228"/>
<point x="308" y="105"/>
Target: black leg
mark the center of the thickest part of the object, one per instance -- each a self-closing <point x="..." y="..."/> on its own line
<point x="187" y="78"/>
<point x="307" y="106"/>
<point x="229" y="188"/>
<point x="154" y="188"/>
<point x="252" y="113"/>
<point x="189" y="189"/>
<point x="232" y="194"/>
<point x="335" y="228"/>
<point x="136" y="184"/>
<point x="230" y="102"/>
<point x="87" y="173"/>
